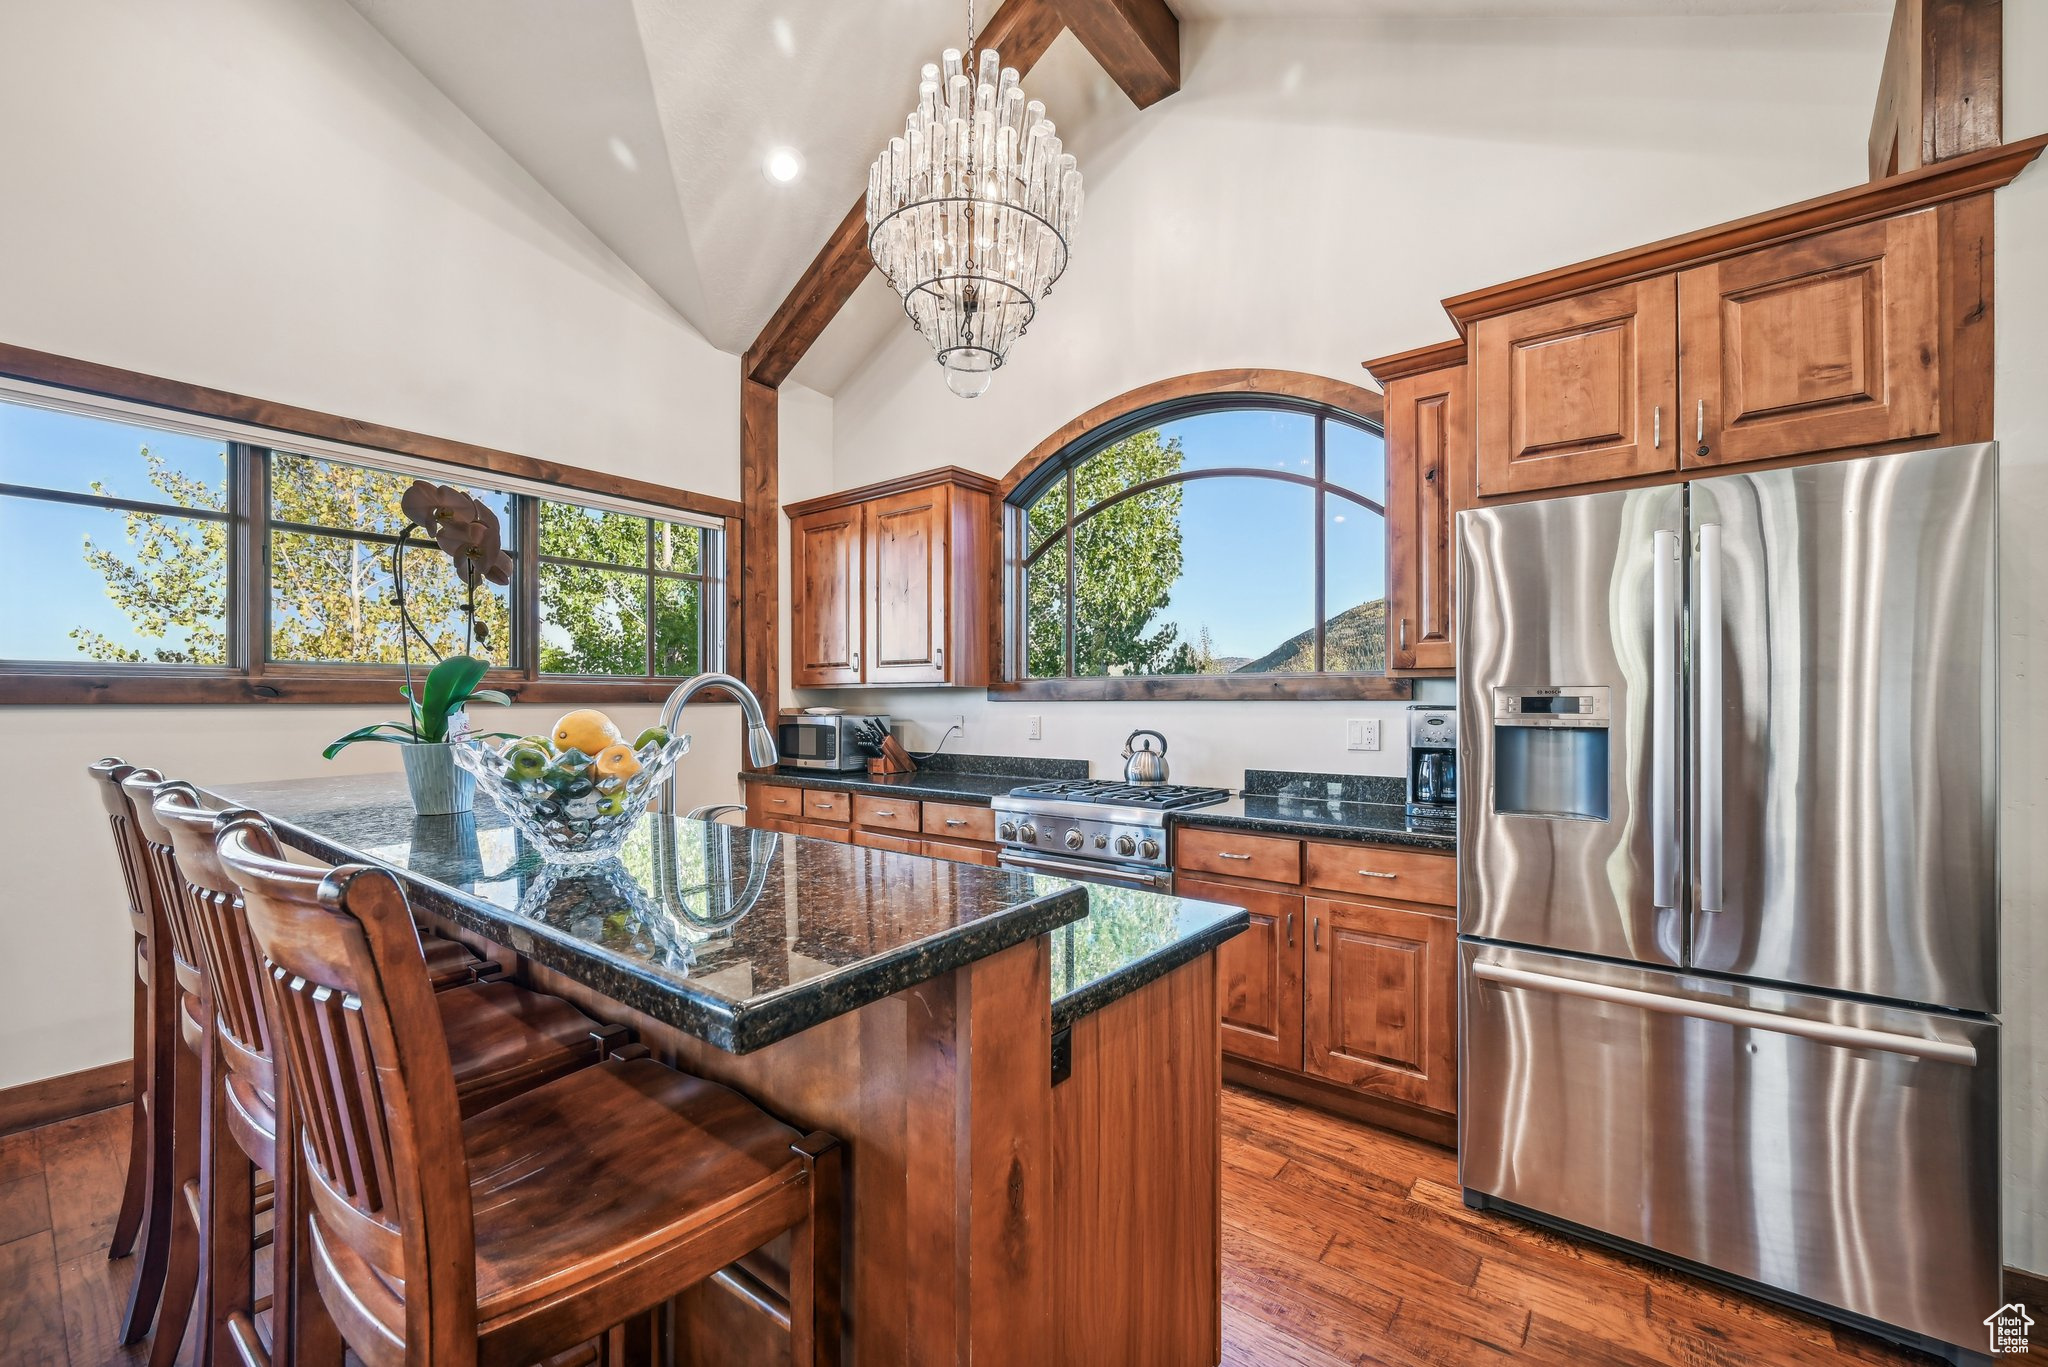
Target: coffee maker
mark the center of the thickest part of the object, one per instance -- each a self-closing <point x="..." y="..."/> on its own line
<point x="1433" y="766"/>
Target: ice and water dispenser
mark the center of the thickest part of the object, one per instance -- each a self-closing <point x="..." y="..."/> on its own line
<point x="1550" y="752"/>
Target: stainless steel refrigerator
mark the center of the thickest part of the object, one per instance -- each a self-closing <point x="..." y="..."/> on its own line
<point x="1728" y="888"/>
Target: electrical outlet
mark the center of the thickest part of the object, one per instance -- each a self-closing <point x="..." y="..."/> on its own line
<point x="959" y="725"/>
<point x="1362" y="733"/>
<point x="1034" y="727"/>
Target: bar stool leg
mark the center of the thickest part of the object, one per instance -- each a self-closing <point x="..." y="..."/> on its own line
<point x="814" y="1260"/>
<point x="181" y="1279"/>
<point x="227" y="1201"/>
<point x="133" y="1195"/>
<point x="300" y="1326"/>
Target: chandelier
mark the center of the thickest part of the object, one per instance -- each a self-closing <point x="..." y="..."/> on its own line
<point x="971" y="210"/>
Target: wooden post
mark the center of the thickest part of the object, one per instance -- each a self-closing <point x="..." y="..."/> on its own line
<point x="1940" y="94"/>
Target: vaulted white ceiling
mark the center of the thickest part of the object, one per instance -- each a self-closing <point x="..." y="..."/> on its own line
<point x="651" y="119"/>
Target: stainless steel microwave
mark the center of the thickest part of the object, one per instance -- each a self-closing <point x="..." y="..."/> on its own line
<point x="808" y="742"/>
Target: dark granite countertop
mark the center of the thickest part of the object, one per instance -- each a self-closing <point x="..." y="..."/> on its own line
<point x="927" y="784"/>
<point x="739" y="937"/>
<point x="1128" y="939"/>
<point x="1322" y="818"/>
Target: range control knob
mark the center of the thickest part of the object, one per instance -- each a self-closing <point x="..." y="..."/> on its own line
<point x="1101" y="842"/>
<point x="1126" y="846"/>
<point x="1008" y="830"/>
<point x="1027" y="833"/>
<point x="1073" y="840"/>
<point x="1150" y="849"/>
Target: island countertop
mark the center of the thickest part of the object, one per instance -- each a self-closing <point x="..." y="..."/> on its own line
<point x="740" y="937"/>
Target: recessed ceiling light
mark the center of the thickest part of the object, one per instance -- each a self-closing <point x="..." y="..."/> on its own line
<point x="783" y="165"/>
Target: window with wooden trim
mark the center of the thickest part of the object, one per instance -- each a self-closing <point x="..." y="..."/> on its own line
<point x="222" y="569"/>
<point x="1232" y="537"/>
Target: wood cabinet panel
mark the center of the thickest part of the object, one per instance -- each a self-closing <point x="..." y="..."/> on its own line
<point x="957" y="821"/>
<point x="1380" y="1010"/>
<point x="887" y="813"/>
<point x="838" y="835"/>
<point x="1429" y="479"/>
<point x="1826" y="343"/>
<point x="882" y="840"/>
<point x="775" y="801"/>
<point x="1269" y="859"/>
<point x="1403" y="875"/>
<point x="961" y="854"/>
<point x="909" y="566"/>
<point x="1578" y="389"/>
<point x="825" y="592"/>
<point x="823" y="806"/>
<point x="1259" y="972"/>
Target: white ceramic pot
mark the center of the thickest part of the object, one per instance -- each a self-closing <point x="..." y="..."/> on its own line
<point x="439" y="785"/>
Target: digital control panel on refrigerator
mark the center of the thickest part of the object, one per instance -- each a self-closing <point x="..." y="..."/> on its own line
<point x="1550" y="752"/>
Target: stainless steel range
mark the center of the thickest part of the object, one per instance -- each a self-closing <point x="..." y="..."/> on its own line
<point x="1095" y="830"/>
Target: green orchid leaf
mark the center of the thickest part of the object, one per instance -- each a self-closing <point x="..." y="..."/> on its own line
<point x="374" y="731"/>
<point x="491" y="695"/>
<point x="449" y="685"/>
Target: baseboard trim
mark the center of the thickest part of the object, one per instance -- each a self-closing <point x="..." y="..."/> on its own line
<point x="51" y="1099"/>
<point x="1432" y="1127"/>
<point x="2029" y="1289"/>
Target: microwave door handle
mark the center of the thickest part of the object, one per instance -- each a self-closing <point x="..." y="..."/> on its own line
<point x="1664" y="854"/>
<point x="1711" y="845"/>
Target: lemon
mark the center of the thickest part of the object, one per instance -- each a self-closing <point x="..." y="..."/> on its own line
<point x="617" y="761"/>
<point x="585" y="729"/>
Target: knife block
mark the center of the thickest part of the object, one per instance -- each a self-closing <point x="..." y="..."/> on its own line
<point x="894" y="759"/>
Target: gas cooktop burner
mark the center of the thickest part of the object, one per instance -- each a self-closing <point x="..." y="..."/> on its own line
<point x="1159" y="796"/>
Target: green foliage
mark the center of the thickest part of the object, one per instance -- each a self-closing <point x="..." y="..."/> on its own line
<point x="1126" y="559"/>
<point x="1354" y="642"/>
<point x="594" y="621"/>
<point x="450" y="685"/>
<point x="178" y="578"/>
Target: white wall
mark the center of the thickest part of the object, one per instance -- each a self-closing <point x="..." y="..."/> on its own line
<point x="2022" y="427"/>
<point x="266" y="198"/>
<point x="1303" y="203"/>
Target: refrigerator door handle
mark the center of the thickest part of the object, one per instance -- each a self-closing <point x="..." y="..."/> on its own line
<point x="1664" y="852"/>
<point x="1707" y="639"/>
<point x="1746" y="1018"/>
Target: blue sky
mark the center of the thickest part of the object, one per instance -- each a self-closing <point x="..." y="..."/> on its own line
<point x="1248" y="549"/>
<point x="46" y="588"/>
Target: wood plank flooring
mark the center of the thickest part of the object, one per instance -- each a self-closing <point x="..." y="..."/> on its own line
<point x="1341" y="1244"/>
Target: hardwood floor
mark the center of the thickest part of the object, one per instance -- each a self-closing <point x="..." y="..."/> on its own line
<point x="1341" y="1244"/>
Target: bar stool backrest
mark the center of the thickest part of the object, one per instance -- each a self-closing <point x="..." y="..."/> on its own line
<point x="353" y="1013"/>
<point x="112" y="775"/>
<point x="143" y="787"/>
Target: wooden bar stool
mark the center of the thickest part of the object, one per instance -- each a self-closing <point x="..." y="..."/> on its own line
<point x="145" y="1218"/>
<point x="506" y="1039"/>
<point x="527" y="1228"/>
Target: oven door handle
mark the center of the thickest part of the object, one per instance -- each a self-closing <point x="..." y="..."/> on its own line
<point x="1085" y="872"/>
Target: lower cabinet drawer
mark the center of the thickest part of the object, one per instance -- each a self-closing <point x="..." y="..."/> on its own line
<point x="1404" y="875"/>
<point x="954" y="821"/>
<point x="882" y="840"/>
<point x="823" y="806"/>
<point x="886" y="813"/>
<point x="838" y="834"/>
<point x="1269" y="859"/>
<point x="775" y="800"/>
<point x="960" y="854"/>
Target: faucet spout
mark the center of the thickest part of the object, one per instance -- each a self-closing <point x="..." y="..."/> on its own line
<point x="761" y="751"/>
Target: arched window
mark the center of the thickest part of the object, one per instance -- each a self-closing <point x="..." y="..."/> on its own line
<point x="1233" y="536"/>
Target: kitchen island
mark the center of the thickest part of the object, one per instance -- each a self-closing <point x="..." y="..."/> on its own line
<point x="1025" y="1072"/>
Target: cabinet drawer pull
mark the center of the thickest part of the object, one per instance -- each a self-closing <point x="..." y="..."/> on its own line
<point x="955" y="821"/>
<point x="780" y="801"/>
<point x="823" y="803"/>
<point x="882" y="812"/>
<point x="1316" y="928"/>
<point x="1368" y="873"/>
<point x="1226" y="854"/>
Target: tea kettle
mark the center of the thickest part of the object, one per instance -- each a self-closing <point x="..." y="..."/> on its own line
<point x="1143" y="764"/>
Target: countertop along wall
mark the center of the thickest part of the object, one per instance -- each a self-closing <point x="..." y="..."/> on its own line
<point x="1303" y="203"/>
<point x="268" y="199"/>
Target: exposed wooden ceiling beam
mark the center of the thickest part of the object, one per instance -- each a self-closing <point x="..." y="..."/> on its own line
<point x="1021" y="31"/>
<point x="1941" y="92"/>
<point x="1136" y="41"/>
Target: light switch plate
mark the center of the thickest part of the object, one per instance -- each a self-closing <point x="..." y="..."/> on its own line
<point x="1362" y="733"/>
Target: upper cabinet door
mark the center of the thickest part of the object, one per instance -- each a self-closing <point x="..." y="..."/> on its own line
<point x="1829" y="342"/>
<point x="1429" y="465"/>
<point x="825" y="597"/>
<point x="909" y="561"/>
<point x="1578" y="390"/>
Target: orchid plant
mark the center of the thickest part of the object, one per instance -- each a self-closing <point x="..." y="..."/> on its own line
<point x="468" y="532"/>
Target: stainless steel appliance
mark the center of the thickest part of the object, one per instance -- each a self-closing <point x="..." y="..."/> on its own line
<point x="1728" y="890"/>
<point x="811" y="742"/>
<point x="1095" y="830"/>
<point x="1143" y="764"/>
<point x="1432" y="767"/>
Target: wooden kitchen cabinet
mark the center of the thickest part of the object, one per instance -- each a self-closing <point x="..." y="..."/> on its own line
<point x="894" y="583"/>
<point x="825" y="598"/>
<point x="1825" y="343"/>
<point x="1578" y="390"/>
<point x="1258" y="972"/>
<point x="1380" y="1001"/>
<point x="1429" y="481"/>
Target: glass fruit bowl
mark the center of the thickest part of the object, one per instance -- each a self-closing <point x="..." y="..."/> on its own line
<point x="576" y="809"/>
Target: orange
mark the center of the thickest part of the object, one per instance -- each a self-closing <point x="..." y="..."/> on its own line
<point x="617" y="761"/>
<point x="585" y="729"/>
